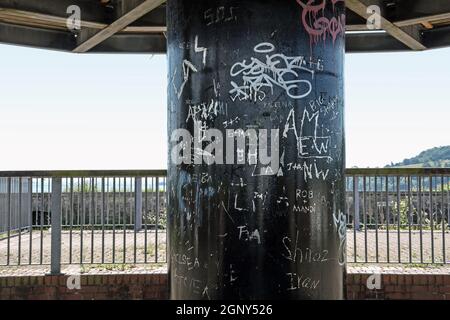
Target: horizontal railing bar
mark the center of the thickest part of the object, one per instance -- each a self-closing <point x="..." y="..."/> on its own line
<point x="85" y="173"/>
<point x="163" y="173"/>
<point x="396" y="171"/>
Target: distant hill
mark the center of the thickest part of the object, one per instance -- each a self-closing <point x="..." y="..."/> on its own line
<point x="436" y="157"/>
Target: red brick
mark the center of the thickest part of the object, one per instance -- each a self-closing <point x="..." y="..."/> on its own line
<point x="89" y="296"/>
<point x="446" y="280"/>
<point x="141" y="279"/>
<point x="354" y="288"/>
<point x="155" y="279"/>
<point x="354" y="296"/>
<point x="393" y="279"/>
<point x="62" y="280"/>
<point x="162" y="279"/>
<point x="150" y="280"/>
<point x="132" y="279"/>
<point x="390" y="288"/>
<point x="110" y="279"/>
<point x="363" y="278"/>
<point x="37" y="280"/>
<point x="438" y="280"/>
<point x="84" y="280"/>
<point x="424" y="296"/>
<point x="421" y="279"/>
<point x="10" y="281"/>
<point x="3" y="281"/>
<point x="150" y="295"/>
<point x="350" y="279"/>
<point x="47" y="281"/>
<point x="73" y="296"/>
<point x="5" y="291"/>
<point x="408" y="279"/>
<point x="418" y="288"/>
<point x="397" y="296"/>
<point x="444" y="289"/>
<point x="401" y="288"/>
<point x="37" y="297"/>
<point x="50" y="291"/>
<point x="38" y="290"/>
<point x="20" y="281"/>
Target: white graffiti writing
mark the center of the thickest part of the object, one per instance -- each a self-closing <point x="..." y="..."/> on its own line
<point x="308" y="146"/>
<point x="260" y="77"/>
<point x="340" y="223"/>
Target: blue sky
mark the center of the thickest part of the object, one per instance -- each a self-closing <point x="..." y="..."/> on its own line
<point x="65" y="111"/>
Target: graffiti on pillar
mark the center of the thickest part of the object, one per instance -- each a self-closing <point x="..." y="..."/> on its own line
<point x="185" y="266"/>
<point x="340" y="223"/>
<point x="259" y="77"/>
<point x="309" y="145"/>
<point x="300" y="281"/>
<point x="295" y="253"/>
<point x="242" y="220"/>
<point x="188" y="67"/>
<point x="315" y="136"/>
<point x="317" y="25"/>
<point x="202" y="50"/>
<point x="220" y="14"/>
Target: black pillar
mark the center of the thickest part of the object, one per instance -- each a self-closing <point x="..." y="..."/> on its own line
<point x="250" y="228"/>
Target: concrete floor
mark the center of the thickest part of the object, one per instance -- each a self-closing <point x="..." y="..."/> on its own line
<point x="135" y="250"/>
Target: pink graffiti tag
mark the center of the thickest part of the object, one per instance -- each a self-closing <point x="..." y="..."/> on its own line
<point x="320" y="27"/>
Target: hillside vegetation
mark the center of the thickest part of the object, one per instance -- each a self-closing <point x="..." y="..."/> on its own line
<point x="438" y="157"/>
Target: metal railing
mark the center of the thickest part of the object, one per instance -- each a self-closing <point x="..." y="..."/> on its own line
<point x="119" y="217"/>
<point x="106" y="217"/>
<point x="398" y="215"/>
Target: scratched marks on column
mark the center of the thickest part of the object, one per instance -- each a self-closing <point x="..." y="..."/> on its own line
<point x="316" y="140"/>
<point x="340" y="223"/>
<point x="295" y="254"/>
<point x="317" y="25"/>
<point x="188" y="268"/>
<point x="222" y="14"/>
<point x="233" y="223"/>
<point x="310" y="145"/>
<point x="258" y="78"/>
<point x="188" y="67"/>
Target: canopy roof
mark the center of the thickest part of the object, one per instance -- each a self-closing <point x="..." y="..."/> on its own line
<point x="139" y="26"/>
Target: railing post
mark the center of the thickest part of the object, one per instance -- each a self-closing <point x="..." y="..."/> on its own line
<point x="156" y="219"/>
<point x="356" y="202"/>
<point x="30" y="203"/>
<point x="138" y="204"/>
<point x="56" y="226"/>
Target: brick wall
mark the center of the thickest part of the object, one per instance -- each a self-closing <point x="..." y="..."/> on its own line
<point x="400" y="287"/>
<point x="154" y="286"/>
<point x="99" y="287"/>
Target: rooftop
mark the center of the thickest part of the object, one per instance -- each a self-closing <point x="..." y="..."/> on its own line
<point x="139" y="26"/>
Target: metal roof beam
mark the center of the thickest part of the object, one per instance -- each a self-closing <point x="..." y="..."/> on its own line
<point x="119" y="25"/>
<point x="91" y="10"/>
<point x="36" y="37"/>
<point x="409" y="39"/>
